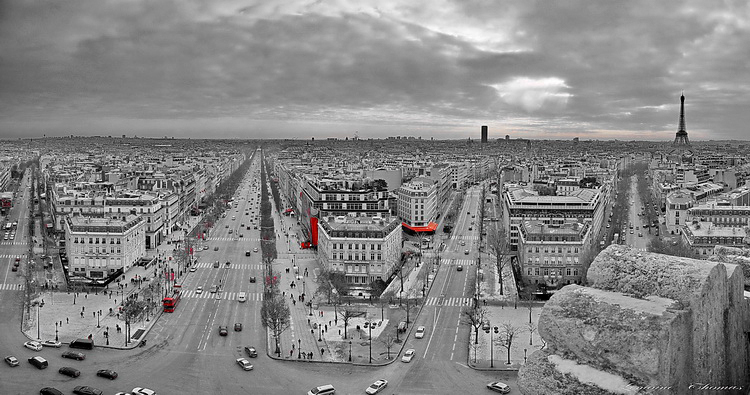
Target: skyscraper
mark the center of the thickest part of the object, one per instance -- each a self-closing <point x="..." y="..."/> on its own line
<point x="484" y="134"/>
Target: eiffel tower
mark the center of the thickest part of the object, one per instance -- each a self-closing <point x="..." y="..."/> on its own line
<point x="681" y="138"/>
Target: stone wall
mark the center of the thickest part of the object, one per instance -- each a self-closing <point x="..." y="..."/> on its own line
<point x="648" y="323"/>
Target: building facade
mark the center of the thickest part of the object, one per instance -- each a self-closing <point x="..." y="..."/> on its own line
<point x="98" y="247"/>
<point x="417" y="205"/>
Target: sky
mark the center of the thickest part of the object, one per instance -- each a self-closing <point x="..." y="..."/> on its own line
<point x="333" y="68"/>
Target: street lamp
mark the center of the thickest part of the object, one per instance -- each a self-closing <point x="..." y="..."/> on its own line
<point x="350" y="350"/>
<point x="524" y="356"/>
<point x="310" y="308"/>
<point x="299" y="348"/>
<point x="370" y="341"/>
<point x="320" y="333"/>
<point x="56" y="339"/>
<point x="98" y="314"/>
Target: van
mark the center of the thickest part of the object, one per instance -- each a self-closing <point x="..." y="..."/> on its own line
<point x="322" y="390"/>
<point x="39" y="362"/>
<point x="242" y="297"/>
<point x="86" y="344"/>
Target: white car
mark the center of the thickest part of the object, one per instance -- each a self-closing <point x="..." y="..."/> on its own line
<point x="199" y="290"/>
<point x="408" y="355"/>
<point x="52" y="343"/>
<point x="193" y="269"/>
<point x="32" y="345"/>
<point x="376" y="387"/>
<point x="142" y="391"/>
<point x="500" y="387"/>
<point x="420" y="332"/>
<point x="246" y="365"/>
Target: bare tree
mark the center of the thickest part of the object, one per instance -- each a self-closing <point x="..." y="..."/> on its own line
<point x="474" y="346"/>
<point x="500" y="246"/>
<point x="274" y="315"/>
<point x="383" y="300"/>
<point x="475" y="317"/>
<point x="507" y="334"/>
<point x="331" y="283"/>
<point x="400" y="273"/>
<point x="388" y="340"/>
<point x="410" y="305"/>
<point x="346" y="315"/>
<point x="532" y="328"/>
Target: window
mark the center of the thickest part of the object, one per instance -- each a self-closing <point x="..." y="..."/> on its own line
<point x="536" y="271"/>
<point x="529" y="271"/>
<point x="568" y="271"/>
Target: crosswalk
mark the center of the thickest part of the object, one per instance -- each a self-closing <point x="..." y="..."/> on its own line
<point x="208" y="265"/>
<point x="437" y="301"/>
<point x="462" y="237"/>
<point x="13" y="243"/>
<point x="457" y="262"/>
<point x="251" y="296"/>
<point x="12" y="255"/>
<point x="12" y="287"/>
<point x="232" y="239"/>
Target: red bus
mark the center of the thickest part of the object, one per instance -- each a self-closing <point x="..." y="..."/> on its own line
<point x="170" y="302"/>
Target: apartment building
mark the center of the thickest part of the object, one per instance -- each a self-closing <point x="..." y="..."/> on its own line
<point x="101" y="247"/>
<point x="702" y="237"/>
<point x="365" y="249"/>
<point x="550" y="252"/>
<point x="417" y="205"/>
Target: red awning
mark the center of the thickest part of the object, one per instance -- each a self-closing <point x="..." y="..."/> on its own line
<point x="288" y="210"/>
<point x="431" y="227"/>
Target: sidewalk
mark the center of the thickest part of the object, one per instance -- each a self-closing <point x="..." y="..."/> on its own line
<point x="524" y="342"/>
<point x="489" y="287"/>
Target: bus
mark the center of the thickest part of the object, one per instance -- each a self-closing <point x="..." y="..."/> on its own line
<point x="171" y="302"/>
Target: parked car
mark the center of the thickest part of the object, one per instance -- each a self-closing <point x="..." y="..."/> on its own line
<point x="237" y="326"/>
<point x="52" y="343"/>
<point x="79" y="356"/>
<point x="86" y="390"/>
<point x="32" y="345"/>
<point x="376" y="387"/>
<point x="223" y="331"/>
<point x="68" y="371"/>
<point x="500" y="387"/>
<point x="420" y="332"/>
<point x="11" y="361"/>
<point x="50" y="391"/>
<point x="106" y="373"/>
<point x="246" y="365"/>
<point x="39" y="362"/>
<point x="408" y="355"/>
<point x="251" y="352"/>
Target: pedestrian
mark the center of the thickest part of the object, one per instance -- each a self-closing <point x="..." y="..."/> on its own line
<point x="326" y="327"/>
<point x="67" y="321"/>
<point x="322" y="350"/>
<point x="82" y="314"/>
<point x="310" y="354"/>
<point x="291" y="352"/>
<point x="308" y="321"/>
<point x="294" y="302"/>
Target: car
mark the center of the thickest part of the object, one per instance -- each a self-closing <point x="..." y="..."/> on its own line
<point x="459" y="268"/>
<point x="631" y="231"/>
<point x="86" y="390"/>
<point x="199" y="290"/>
<point x="486" y="326"/>
<point x="205" y="248"/>
<point x="470" y="228"/>
<point x="247" y="253"/>
<point x="216" y="248"/>
<point x="255" y="249"/>
<point x="214" y="289"/>
<point x="216" y="264"/>
<point x="242" y="235"/>
<point x="227" y="263"/>
<point x="466" y="252"/>
<point x="143" y="391"/>
<point x="14" y="269"/>
<point x="463" y="243"/>
<point x="251" y="352"/>
<point x="39" y="362"/>
<point x="252" y="279"/>
<point x="408" y="355"/>
<point x="32" y="345"/>
<point x="376" y="387"/>
<point x="52" y="343"/>
<point x="223" y="330"/>
<point x="237" y="326"/>
<point x="11" y="361"/>
<point x="499" y="387"/>
<point x="244" y="363"/>
<point x="193" y="269"/>
<point x="106" y="373"/>
<point x="231" y="231"/>
<point x="420" y="332"/>
<point x="226" y="226"/>
<point x="640" y="234"/>
<point x="50" y="391"/>
<point x="79" y="356"/>
<point x="68" y="371"/>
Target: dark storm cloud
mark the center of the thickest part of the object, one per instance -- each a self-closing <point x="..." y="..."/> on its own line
<point x="600" y="68"/>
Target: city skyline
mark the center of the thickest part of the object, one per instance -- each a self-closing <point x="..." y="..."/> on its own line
<point x="325" y="69"/>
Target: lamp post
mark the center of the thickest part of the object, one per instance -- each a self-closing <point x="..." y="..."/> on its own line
<point x="350" y="350"/>
<point x="310" y="308"/>
<point x="370" y="327"/>
<point x="492" y="348"/>
<point x="38" y="307"/>
<point x="56" y="339"/>
<point x="524" y="356"/>
<point x="299" y="348"/>
<point x="98" y="314"/>
<point x="320" y="333"/>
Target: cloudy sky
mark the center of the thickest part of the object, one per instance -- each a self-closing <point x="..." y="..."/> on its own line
<point x="442" y="68"/>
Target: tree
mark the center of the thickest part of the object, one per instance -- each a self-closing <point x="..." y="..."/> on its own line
<point x="532" y="328"/>
<point x="666" y="247"/>
<point x="383" y="300"/>
<point x="400" y="273"/>
<point x="274" y="315"/>
<point x="475" y="317"/>
<point x="501" y="248"/>
<point x="330" y="284"/>
<point x="408" y="307"/>
<point x="388" y="340"/>
<point x="507" y="334"/>
<point x="345" y="316"/>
